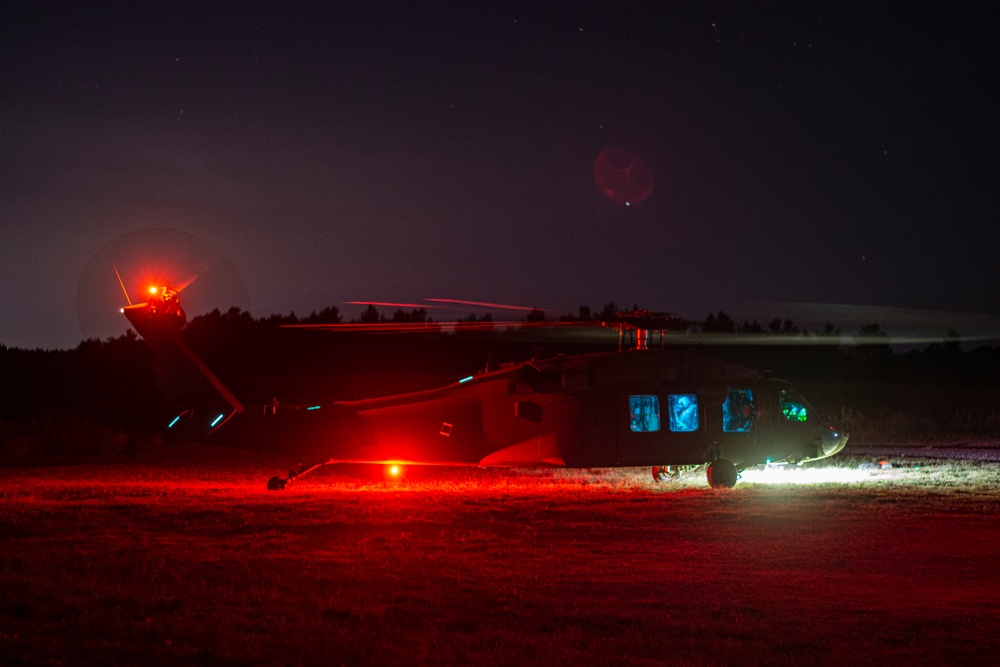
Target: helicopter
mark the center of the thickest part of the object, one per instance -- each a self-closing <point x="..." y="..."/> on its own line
<point x="639" y="406"/>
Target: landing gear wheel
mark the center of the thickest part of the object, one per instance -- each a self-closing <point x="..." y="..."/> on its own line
<point x="665" y="473"/>
<point x="722" y="473"/>
<point x="278" y="483"/>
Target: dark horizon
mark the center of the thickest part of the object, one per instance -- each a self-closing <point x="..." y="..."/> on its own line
<point x="903" y="330"/>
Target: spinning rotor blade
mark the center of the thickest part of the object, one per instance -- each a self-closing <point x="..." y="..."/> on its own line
<point x="809" y="324"/>
<point x="485" y="305"/>
<point x="432" y="326"/>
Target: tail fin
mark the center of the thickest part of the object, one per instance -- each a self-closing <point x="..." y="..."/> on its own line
<point x="183" y="376"/>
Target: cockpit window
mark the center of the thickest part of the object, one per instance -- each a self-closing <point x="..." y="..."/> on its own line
<point x="738" y="411"/>
<point x="683" y="412"/>
<point x="644" y="413"/>
<point x="793" y="406"/>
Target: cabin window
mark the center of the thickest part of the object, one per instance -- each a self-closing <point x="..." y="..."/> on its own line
<point x="683" y="412"/>
<point x="644" y="413"/>
<point x="793" y="406"/>
<point x="738" y="411"/>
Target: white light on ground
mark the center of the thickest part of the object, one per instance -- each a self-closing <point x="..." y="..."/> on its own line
<point x="797" y="475"/>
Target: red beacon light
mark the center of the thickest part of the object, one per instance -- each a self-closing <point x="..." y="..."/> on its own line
<point x="163" y="302"/>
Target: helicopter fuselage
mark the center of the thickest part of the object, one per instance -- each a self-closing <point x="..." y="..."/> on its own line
<point x="643" y="407"/>
<point x="635" y="408"/>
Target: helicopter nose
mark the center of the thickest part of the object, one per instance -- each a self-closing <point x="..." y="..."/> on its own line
<point x="832" y="440"/>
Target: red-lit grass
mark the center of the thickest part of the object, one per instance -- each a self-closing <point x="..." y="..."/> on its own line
<point x="179" y="562"/>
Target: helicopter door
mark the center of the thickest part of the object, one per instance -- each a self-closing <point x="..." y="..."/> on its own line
<point x="598" y="439"/>
<point x="739" y="416"/>
<point x="765" y="425"/>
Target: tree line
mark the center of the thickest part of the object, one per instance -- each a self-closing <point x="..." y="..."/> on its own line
<point x="113" y="381"/>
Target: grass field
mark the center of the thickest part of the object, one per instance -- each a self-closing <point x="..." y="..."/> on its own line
<point x="185" y="558"/>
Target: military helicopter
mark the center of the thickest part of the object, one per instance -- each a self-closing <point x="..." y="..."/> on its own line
<point x="640" y="406"/>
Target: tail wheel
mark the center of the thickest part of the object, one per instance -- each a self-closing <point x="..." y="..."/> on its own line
<point x="722" y="473"/>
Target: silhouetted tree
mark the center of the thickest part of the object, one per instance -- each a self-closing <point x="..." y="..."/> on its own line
<point x="779" y="326"/>
<point x="370" y="315"/>
<point x="583" y="314"/>
<point x="415" y="316"/>
<point x="953" y="343"/>
<point x="608" y="312"/>
<point x="475" y="323"/>
<point x="720" y="323"/>
<point x="329" y="315"/>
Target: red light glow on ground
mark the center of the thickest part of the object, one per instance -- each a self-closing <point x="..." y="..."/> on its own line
<point x="178" y="563"/>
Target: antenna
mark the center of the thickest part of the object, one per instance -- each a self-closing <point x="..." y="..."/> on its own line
<point x="122" y="284"/>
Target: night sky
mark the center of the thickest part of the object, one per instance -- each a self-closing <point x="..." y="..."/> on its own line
<point x="291" y="158"/>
